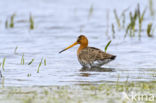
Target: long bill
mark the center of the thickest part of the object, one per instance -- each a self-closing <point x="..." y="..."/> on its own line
<point x="69" y="47"/>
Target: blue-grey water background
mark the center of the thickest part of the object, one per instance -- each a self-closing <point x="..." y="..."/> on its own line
<point x="57" y="25"/>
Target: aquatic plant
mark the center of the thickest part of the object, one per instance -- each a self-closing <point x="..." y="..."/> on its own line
<point x="91" y="9"/>
<point x="107" y="45"/>
<point x="151" y="8"/>
<point x="31" y="21"/>
<point x="149" y="29"/>
<point x="12" y="20"/>
<point x="107" y="24"/>
<point x="6" y="24"/>
<point x="117" y="82"/>
<point x="117" y="18"/>
<point x="113" y="31"/>
<point x="123" y="19"/>
<point x="29" y="75"/>
<point x="136" y="19"/>
<point x="15" y="51"/>
<point x="2" y="81"/>
<point x="141" y="18"/>
<point x="22" y="59"/>
<point x="137" y="16"/>
<point x="132" y="24"/>
<point x="45" y="63"/>
<point x="126" y="92"/>
<point x="1" y="74"/>
<point x="39" y="65"/>
<point x="4" y="59"/>
<point x="30" y="62"/>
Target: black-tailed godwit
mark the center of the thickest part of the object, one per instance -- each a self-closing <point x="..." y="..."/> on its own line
<point x="89" y="56"/>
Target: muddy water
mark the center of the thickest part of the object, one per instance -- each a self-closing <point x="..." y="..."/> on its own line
<point x="57" y="25"/>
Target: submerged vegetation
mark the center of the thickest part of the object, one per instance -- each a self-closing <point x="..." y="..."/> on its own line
<point x="124" y="92"/>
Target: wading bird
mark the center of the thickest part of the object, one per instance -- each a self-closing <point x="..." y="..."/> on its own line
<point x="90" y="57"/>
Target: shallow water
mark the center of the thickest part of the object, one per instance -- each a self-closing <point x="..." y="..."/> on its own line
<point x="57" y="25"/>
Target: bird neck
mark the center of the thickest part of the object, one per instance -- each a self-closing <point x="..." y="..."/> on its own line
<point x="82" y="46"/>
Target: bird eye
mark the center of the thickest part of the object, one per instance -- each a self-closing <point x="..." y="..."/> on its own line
<point x="78" y="40"/>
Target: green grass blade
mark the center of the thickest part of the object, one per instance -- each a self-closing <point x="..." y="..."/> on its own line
<point x="90" y="11"/>
<point x="31" y="20"/>
<point x="39" y="65"/>
<point x="3" y="63"/>
<point x="107" y="45"/>
<point x="151" y="8"/>
<point x="15" y="51"/>
<point x="12" y="21"/>
<point x="149" y="29"/>
<point x="117" y="18"/>
<point x="31" y="62"/>
<point x="29" y="75"/>
<point x="22" y="60"/>
<point x="6" y="24"/>
<point x="113" y="31"/>
<point x="45" y="63"/>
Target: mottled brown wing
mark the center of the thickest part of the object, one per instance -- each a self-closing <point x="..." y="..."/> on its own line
<point x="92" y="54"/>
